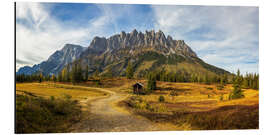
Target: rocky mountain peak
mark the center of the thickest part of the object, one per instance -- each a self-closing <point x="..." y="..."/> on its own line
<point x="134" y="39"/>
<point x="56" y="61"/>
<point x="123" y="34"/>
<point x="134" y="32"/>
<point x="70" y="46"/>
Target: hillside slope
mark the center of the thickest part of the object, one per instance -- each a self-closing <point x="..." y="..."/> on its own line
<point x="149" y="51"/>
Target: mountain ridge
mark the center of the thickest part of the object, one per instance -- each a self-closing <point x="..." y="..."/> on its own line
<point x="55" y="62"/>
<point x="111" y="55"/>
<point x="138" y="39"/>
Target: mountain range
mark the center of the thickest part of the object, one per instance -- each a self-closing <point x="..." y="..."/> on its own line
<point x="147" y="52"/>
<point x="55" y="62"/>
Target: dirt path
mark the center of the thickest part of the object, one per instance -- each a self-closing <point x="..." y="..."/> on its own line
<point x="105" y="116"/>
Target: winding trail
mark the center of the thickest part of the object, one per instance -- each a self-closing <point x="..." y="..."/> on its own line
<point x="105" y="116"/>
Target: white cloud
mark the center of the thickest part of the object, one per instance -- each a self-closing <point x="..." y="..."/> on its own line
<point x="219" y="35"/>
<point x="229" y="33"/>
<point x="38" y="34"/>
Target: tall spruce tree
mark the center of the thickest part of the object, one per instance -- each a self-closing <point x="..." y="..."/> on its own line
<point x="74" y="73"/>
<point x="86" y="73"/>
<point x="80" y="74"/>
<point x="64" y="74"/>
<point x="237" y="91"/>
<point x="40" y="77"/>
<point x="53" y="78"/>
<point x="129" y="70"/>
<point x="151" y="84"/>
<point x="68" y="73"/>
<point x="59" y="77"/>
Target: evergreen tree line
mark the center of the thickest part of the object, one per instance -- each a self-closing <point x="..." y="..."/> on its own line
<point x="163" y="75"/>
<point x="75" y="74"/>
<point x="32" y="78"/>
<point x="249" y="81"/>
<point x="239" y="81"/>
<point x="186" y="77"/>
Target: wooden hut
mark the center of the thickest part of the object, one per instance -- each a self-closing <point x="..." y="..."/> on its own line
<point x="138" y="88"/>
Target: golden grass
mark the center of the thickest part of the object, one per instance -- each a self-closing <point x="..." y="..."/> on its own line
<point x="190" y="95"/>
<point x="200" y="97"/>
<point x="58" y="90"/>
<point x="193" y="96"/>
<point x="198" y="107"/>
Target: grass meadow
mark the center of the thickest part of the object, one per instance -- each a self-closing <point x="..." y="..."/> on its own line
<point x="194" y="106"/>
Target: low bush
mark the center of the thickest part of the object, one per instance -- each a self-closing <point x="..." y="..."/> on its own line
<point x="136" y="102"/>
<point x="161" y="99"/>
<point x="220" y="87"/>
<point x="209" y="88"/>
<point x="221" y="98"/>
<point x="40" y="115"/>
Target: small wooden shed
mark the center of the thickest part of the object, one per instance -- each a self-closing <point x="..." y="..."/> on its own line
<point x="138" y="88"/>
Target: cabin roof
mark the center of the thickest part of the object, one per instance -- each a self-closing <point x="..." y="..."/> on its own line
<point x="138" y="83"/>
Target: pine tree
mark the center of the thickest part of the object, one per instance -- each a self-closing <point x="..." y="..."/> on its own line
<point x="59" y="77"/>
<point x="86" y="73"/>
<point x="246" y="81"/>
<point x="64" y="74"/>
<point x="237" y="91"/>
<point x="53" y="78"/>
<point x="206" y="79"/>
<point x="221" y="80"/>
<point x="129" y="70"/>
<point x="225" y="79"/>
<point x="80" y="74"/>
<point x="40" y="77"/>
<point x="151" y="84"/>
<point x="256" y="81"/>
<point x="74" y="73"/>
<point x="68" y="77"/>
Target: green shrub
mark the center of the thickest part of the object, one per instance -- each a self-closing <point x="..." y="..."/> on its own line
<point x="67" y="97"/>
<point x="161" y="99"/>
<point x="136" y="102"/>
<point x="221" y="98"/>
<point x="236" y="93"/>
<point x="220" y="87"/>
<point x="52" y="98"/>
<point x="98" y="83"/>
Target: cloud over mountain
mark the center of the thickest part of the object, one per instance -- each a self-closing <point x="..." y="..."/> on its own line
<point x="222" y="36"/>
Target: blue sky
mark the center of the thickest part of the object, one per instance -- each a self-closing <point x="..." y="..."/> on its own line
<point x="226" y="37"/>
